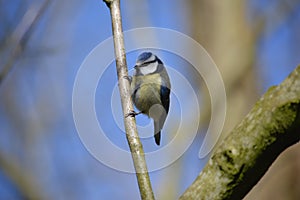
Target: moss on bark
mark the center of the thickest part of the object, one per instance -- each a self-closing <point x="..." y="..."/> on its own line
<point x="245" y="155"/>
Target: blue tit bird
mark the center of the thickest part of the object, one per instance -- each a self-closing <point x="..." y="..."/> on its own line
<point x="151" y="87"/>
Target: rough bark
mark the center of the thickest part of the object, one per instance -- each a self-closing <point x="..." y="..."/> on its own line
<point x="245" y="155"/>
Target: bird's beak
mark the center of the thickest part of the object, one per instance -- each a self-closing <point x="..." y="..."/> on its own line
<point x="135" y="66"/>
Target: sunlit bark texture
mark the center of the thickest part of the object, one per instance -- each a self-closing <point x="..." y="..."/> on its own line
<point x="221" y="27"/>
<point x="243" y="157"/>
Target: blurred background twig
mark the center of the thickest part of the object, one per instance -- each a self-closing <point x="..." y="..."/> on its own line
<point x="21" y="35"/>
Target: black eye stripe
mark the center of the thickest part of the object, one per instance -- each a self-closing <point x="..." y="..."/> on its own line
<point x="146" y="63"/>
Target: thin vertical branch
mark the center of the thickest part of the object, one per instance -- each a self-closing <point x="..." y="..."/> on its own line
<point x="134" y="142"/>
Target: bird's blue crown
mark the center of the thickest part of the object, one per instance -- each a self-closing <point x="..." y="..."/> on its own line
<point x="144" y="56"/>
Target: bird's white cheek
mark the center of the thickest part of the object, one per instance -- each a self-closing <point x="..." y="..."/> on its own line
<point x="151" y="68"/>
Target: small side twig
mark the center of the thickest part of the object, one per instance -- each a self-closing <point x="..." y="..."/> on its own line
<point x="134" y="142"/>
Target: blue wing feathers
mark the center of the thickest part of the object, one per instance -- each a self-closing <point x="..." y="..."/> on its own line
<point x="165" y="97"/>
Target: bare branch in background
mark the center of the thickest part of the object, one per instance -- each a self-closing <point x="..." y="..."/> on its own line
<point x="22" y="34"/>
<point x="21" y="178"/>
<point x="222" y="29"/>
<point x="249" y="150"/>
<point x="134" y="142"/>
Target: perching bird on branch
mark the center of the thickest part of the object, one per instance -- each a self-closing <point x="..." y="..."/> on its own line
<point x="151" y="87"/>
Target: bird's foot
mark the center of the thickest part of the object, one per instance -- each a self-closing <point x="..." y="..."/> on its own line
<point x="132" y="114"/>
<point x="129" y="78"/>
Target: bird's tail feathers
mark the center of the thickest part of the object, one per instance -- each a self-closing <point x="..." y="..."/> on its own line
<point x="157" y="138"/>
<point x="157" y="129"/>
